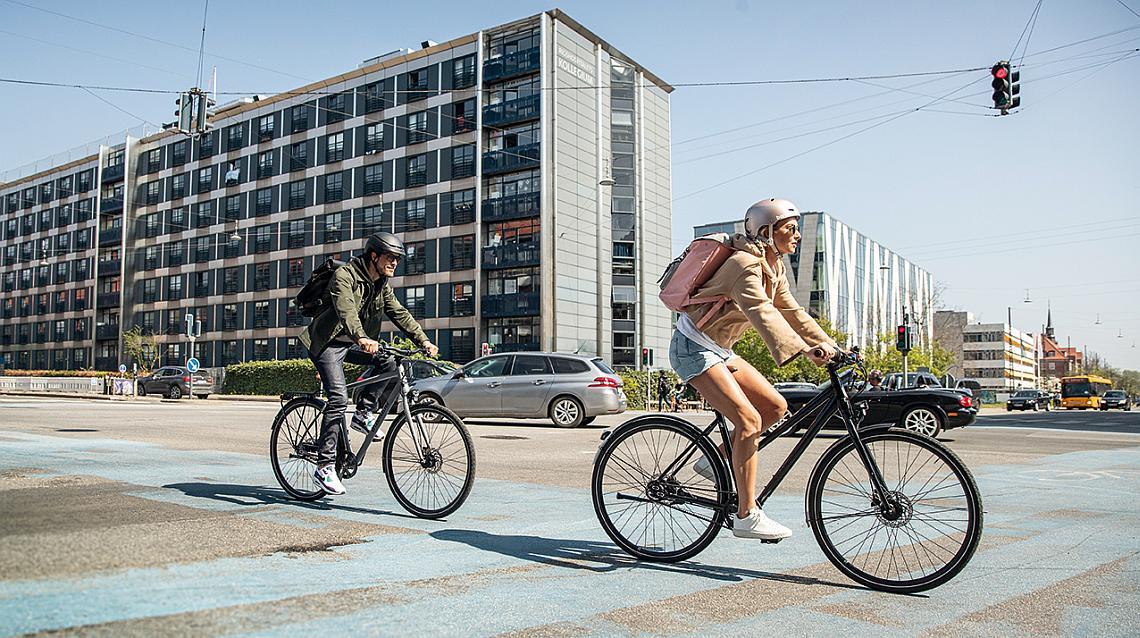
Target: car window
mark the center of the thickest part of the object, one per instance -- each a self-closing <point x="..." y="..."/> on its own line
<point x="570" y="366"/>
<point x="165" y="372"/>
<point x="529" y="364"/>
<point x="491" y="367"/>
<point x="602" y="366"/>
<point x="1116" y="394"/>
<point x="1025" y="394"/>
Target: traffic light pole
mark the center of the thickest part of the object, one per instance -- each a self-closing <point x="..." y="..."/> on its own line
<point x="906" y="376"/>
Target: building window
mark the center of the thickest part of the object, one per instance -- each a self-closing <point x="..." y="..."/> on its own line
<point x="150" y="258"/>
<point x="265" y="126"/>
<point x="337" y="109"/>
<point x="416" y="301"/>
<point x="296" y="276"/>
<point x="230" y="280"/>
<point x="206" y="145"/>
<point x="418" y="128"/>
<point x="153" y="160"/>
<point x="178" y="153"/>
<point x="463" y="161"/>
<point x="230" y="244"/>
<point x="153" y="192"/>
<point x="417" y="85"/>
<point x="300" y="119"/>
<point x="334" y="187"/>
<point x="261" y="314"/>
<point x="174" y="287"/>
<point x="206" y="179"/>
<point x="463" y="73"/>
<point x="416" y="217"/>
<point x="296" y="233"/>
<point x="415" y="260"/>
<point x="260" y="349"/>
<point x="332" y="228"/>
<point x="178" y="186"/>
<point x="202" y="249"/>
<point x="417" y="170"/>
<point x="230" y="352"/>
<point x="370" y="221"/>
<point x="374" y="138"/>
<point x="235" y="137"/>
<point x="261" y="239"/>
<point x="204" y="214"/>
<point x="463" y="252"/>
<point x="373" y="179"/>
<point x="202" y="283"/>
<point x="298" y="194"/>
<point x="265" y="165"/>
<point x="233" y="207"/>
<point x="462" y="299"/>
<point x="464" y="116"/>
<point x="261" y="277"/>
<point x="230" y="317"/>
<point x="373" y="97"/>
<point x="334" y="148"/>
<point x="298" y="156"/>
<point x="175" y="254"/>
<point x="264" y="202"/>
<point x="293" y="348"/>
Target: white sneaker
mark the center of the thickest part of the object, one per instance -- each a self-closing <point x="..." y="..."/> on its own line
<point x="758" y="525"/>
<point x="328" y="480"/>
<point x="704" y="468"/>
<point x="363" y="421"/>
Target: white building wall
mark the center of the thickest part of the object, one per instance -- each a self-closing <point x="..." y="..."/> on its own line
<point x="655" y="222"/>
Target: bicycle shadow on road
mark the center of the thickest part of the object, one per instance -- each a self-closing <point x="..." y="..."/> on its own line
<point x="603" y="557"/>
<point x="257" y="495"/>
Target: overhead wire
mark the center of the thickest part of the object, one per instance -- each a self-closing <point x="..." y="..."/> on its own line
<point x="1121" y="3"/>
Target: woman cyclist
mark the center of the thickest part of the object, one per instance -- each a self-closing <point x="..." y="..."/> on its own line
<point x="755" y="281"/>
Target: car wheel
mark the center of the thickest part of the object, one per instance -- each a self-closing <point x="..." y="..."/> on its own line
<point x="1047" y="408"/>
<point x="923" y="421"/>
<point x="1034" y="407"/>
<point x="567" y="412"/>
<point x="140" y="390"/>
<point x="175" y="392"/>
<point x="1008" y="409"/>
<point x="430" y="399"/>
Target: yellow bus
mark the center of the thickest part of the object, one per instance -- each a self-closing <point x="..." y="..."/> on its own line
<point x="1083" y="392"/>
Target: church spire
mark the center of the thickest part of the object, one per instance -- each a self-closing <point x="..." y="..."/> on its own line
<point x="1049" y="321"/>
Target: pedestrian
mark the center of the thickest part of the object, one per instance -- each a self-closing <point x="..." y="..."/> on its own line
<point x="754" y="283"/>
<point x="662" y="391"/>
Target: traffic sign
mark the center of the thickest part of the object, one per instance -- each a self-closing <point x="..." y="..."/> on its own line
<point x="122" y="368"/>
<point x="192" y="364"/>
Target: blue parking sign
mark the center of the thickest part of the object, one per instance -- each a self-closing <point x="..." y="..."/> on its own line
<point x="192" y="364"/>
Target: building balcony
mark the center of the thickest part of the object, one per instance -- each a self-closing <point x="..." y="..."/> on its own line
<point x="511" y="159"/>
<point x="512" y="207"/>
<point x="113" y="173"/>
<point x="110" y="236"/>
<point x="521" y="346"/>
<point x="511" y="255"/>
<point x="523" y="304"/>
<point x="522" y="109"/>
<point x="111" y="205"/>
<point x="109" y="267"/>
<point x="107" y="331"/>
<point x="461" y="170"/>
<point x="463" y="213"/>
<point x="418" y="178"/>
<point x="107" y="299"/>
<point x="511" y="65"/>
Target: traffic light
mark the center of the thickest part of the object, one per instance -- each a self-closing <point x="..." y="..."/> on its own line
<point x="646" y="357"/>
<point x="904" y="340"/>
<point x="185" y="112"/>
<point x="201" y="121"/>
<point x="1006" y="85"/>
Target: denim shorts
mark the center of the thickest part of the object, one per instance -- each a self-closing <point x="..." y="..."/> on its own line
<point x="690" y="359"/>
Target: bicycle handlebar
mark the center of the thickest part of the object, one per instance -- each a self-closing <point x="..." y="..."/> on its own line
<point x="399" y="352"/>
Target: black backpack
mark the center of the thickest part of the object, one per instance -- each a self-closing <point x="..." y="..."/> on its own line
<point x="313" y="297"/>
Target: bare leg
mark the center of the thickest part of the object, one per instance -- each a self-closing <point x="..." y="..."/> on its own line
<point x="718" y="386"/>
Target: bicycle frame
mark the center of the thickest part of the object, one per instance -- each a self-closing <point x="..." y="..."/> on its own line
<point x="390" y="380"/>
<point x="823" y="406"/>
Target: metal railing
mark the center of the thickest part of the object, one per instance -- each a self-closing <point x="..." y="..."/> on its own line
<point x="512" y="255"/>
<point x="510" y="65"/>
<point x="511" y="207"/>
<point x="511" y="159"/>
<point x="523" y="304"/>
<point x="511" y="111"/>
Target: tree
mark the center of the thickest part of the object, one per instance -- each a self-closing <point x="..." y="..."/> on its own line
<point x="752" y="349"/>
<point x="884" y="357"/>
<point x="140" y="347"/>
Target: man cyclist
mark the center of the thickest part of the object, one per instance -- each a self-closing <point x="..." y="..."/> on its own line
<point x="346" y="330"/>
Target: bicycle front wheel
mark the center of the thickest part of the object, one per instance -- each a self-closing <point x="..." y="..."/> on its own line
<point x="430" y="465"/>
<point x="653" y="514"/>
<point x="925" y="532"/>
<point x="293" y="447"/>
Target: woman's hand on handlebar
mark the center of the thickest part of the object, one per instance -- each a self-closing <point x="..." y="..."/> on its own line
<point x="820" y="354"/>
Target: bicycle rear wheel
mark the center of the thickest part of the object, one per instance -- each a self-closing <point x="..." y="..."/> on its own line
<point x="293" y="447"/>
<point x="926" y="533"/>
<point x="650" y="515"/>
<point x="430" y="479"/>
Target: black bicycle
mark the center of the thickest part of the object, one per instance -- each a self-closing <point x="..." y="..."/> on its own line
<point x="893" y="510"/>
<point x="428" y="457"/>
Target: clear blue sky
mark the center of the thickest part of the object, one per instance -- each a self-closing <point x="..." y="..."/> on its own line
<point x="1044" y="200"/>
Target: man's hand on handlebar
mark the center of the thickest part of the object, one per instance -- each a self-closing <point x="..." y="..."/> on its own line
<point x="430" y="348"/>
<point x="370" y="346"/>
<point x="820" y="354"/>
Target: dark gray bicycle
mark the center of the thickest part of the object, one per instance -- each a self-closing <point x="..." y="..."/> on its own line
<point x="893" y="510"/>
<point x="428" y="458"/>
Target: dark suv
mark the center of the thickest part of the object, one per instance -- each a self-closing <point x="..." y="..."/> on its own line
<point x="173" y="382"/>
<point x="1116" y="399"/>
<point x="1029" y="400"/>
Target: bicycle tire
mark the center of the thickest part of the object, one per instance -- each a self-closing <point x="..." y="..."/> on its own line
<point x="835" y="506"/>
<point x="620" y="518"/>
<point x="406" y="473"/>
<point x="294" y="472"/>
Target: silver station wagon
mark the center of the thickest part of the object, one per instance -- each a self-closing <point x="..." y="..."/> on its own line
<point x="569" y="389"/>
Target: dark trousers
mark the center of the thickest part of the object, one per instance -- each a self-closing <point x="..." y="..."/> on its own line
<point x="330" y="365"/>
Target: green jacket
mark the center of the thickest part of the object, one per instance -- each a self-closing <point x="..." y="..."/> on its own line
<point x="357" y="310"/>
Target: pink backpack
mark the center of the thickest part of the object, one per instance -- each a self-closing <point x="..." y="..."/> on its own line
<point x="687" y="273"/>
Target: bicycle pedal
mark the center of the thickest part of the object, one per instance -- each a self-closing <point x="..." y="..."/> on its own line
<point x="770" y="541"/>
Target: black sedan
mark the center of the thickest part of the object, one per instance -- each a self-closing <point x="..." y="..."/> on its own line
<point x="1029" y="400"/>
<point x="173" y="382"/>
<point x="1117" y="399"/>
<point x="928" y="411"/>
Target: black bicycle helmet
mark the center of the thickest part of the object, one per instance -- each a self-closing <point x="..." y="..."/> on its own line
<point x="381" y="243"/>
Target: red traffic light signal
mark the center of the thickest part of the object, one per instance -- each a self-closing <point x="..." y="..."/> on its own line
<point x="1006" y="87"/>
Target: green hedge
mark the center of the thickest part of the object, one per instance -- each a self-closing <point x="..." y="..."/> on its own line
<point x="634" y="387"/>
<point x="272" y="378"/>
<point x="58" y="373"/>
